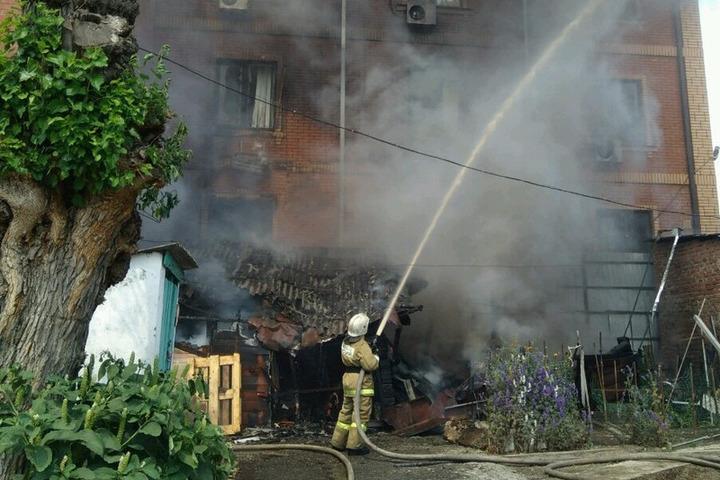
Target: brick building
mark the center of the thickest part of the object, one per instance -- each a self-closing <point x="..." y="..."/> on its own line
<point x="618" y="112"/>
<point x="299" y="167"/>
<point x="691" y="289"/>
<point x="583" y="128"/>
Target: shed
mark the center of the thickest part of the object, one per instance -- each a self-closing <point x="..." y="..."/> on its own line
<point x="139" y="314"/>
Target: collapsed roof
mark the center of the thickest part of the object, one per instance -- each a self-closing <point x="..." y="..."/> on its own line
<point x="309" y="293"/>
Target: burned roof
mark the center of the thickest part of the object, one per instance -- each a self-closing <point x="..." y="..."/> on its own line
<point x="320" y="288"/>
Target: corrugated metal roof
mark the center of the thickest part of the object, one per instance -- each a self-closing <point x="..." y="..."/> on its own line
<point x="321" y="288"/>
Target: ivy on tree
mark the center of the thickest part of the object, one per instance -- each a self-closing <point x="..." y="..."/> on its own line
<point x="66" y="123"/>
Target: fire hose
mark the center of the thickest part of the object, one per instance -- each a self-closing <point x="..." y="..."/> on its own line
<point x="292" y="446"/>
<point x="550" y="468"/>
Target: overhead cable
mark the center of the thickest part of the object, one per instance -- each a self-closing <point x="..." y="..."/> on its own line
<point x="419" y="152"/>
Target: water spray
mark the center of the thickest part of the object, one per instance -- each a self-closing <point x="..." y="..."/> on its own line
<point x="490" y="128"/>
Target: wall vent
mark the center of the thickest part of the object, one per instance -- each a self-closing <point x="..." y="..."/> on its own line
<point x="421" y="12"/>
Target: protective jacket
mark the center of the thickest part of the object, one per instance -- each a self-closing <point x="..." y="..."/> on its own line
<point x="355" y="354"/>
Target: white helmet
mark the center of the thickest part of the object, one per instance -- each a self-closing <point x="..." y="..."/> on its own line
<point x="358" y="325"/>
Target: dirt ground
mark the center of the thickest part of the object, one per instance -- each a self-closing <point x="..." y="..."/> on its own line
<point x="281" y="464"/>
<point x="302" y="465"/>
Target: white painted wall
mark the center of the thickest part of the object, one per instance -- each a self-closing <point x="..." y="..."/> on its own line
<point x="130" y="318"/>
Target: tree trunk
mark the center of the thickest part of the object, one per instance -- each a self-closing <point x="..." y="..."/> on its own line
<point x="55" y="264"/>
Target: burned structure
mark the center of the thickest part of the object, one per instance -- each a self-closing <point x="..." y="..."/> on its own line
<point x="307" y="299"/>
<point x="340" y="125"/>
<point x="301" y="302"/>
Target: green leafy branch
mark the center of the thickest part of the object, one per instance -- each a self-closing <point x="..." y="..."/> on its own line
<point x="66" y="123"/>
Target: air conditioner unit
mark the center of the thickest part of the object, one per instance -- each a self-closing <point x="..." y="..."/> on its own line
<point x="609" y="151"/>
<point x="421" y="12"/>
<point x="234" y="4"/>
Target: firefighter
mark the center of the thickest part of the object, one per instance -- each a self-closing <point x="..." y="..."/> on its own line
<point x="356" y="354"/>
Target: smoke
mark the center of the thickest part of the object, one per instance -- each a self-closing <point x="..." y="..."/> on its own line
<point x="506" y="252"/>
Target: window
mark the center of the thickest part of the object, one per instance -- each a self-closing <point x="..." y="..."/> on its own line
<point x="239" y="219"/>
<point x="617" y="117"/>
<point x="247" y="96"/>
<point x="632" y="121"/>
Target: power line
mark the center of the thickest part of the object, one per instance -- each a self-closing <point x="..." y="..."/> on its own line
<point x="419" y="152"/>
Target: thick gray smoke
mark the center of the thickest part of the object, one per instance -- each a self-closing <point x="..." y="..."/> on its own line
<point x="505" y="251"/>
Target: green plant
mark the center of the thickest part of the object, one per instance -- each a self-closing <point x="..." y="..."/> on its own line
<point x="648" y="422"/>
<point x="65" y="122"/>
<point x="533" y="401"/>
<point x="139" y="424"/>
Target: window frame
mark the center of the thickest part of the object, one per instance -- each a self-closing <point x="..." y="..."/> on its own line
<point x="245" y="103"/>
<point x="613" y="131"/>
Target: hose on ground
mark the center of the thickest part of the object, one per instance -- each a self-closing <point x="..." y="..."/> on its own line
<point x="550" y="468"/>
<point x="293" y="446"/>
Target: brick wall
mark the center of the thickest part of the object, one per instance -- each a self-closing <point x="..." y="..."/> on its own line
<point x="302" y="152"/>
<point x="691" y="289"/>
<point x="649" y="53"/>
<point x="700" y="118"/>
<point x="5" y="6"/>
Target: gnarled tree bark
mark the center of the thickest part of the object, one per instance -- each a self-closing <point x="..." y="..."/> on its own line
<point x="55" y="265"/>
<point x="57" y="261"/>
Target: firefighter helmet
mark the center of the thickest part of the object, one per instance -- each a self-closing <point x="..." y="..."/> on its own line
<point x="358" y="325"/>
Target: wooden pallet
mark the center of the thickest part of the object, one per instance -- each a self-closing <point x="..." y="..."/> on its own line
<point x="222" y="375"/>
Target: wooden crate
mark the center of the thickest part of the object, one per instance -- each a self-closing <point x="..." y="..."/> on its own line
<point x="222" y="375"/>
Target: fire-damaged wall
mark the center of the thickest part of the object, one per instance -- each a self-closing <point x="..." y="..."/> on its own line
<point x="691" y="289"/>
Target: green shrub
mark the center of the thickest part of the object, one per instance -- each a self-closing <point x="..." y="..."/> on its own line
<point x="533" y="401"/>
<point x="648" y="422"/>
<point x="139" y="424"/>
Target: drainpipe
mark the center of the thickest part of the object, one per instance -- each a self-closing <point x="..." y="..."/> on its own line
<point x="676" y="233"/>
<point x="653" y="313"/>
<point x="679" y="43"/>
<point x="341" y="166"/>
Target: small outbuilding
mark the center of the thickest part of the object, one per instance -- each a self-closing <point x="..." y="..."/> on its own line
<point x="139" y="314"/>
